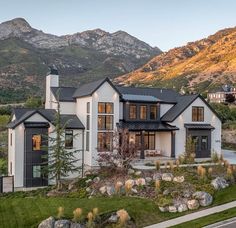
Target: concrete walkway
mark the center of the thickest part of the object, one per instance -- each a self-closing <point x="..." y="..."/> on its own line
<point x="194" y="215"/>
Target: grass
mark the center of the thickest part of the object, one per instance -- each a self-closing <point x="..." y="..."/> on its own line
<point x="29" y="211"/>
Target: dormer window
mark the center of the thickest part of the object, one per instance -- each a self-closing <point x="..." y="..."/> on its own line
<point x="143" y="112"/>
<point x="197" y="114"/>
<point x="133" y="112"/>
<point x="153" y="112"/>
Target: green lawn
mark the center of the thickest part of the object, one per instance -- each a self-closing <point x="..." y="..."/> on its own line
<point x="29" y="211"/>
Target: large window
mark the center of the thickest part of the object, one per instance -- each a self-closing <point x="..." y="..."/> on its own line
<point x="105" y="107"/>
<point x="132" y="112"/>
<point x="153" y="112"/>
<point x="69" y="139"/>
<point x="105" y="122"/>
<point x="36" y="142"/>
<point x="36" y="171"/>
<point x="104" y="141"/>
<point x="149" y="141"/>
<point x="197" y="114"/>
<point x="143" y="112"/>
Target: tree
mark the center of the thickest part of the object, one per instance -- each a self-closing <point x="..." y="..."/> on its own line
<point x="190" y="150"/>
<point x="123" y="151"/>
<point x="60" y="161"/>
<point x="34" y="102"/>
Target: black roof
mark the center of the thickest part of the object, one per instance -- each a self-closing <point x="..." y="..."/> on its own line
<point x="182" y="103"/>
<point x="89" y="88"/>
<point x="199" y="126"/>
<point x="65" y="93"/>
<point x="146" y="126"/>
<point x="22" y="114"/>
<point x="165" y="95"/>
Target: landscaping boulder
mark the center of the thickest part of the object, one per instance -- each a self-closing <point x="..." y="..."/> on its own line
<point x="138" y="173"/>
<point x="110" y="190"/>
<point x="178" y="179"/>
<point x="204" y="198"/>
<point x="163" y="209"/>
<point x="96" y="180"/>
<point x="172" y="209"/>
<point x="148" y="179"/>
<point x="47" y="223"/>
<point x="135" y="191"/>
<point x="193" y="204"/>
<point x="88" y="190"/>
<point x="103" y="189"/>
<point x="140" y="182"/>
<point x="156" y="176"/>
<point x="62" y="223"/>
<point x="219" y="183"/>
<point x="167" y="177"/>
<point x="88" y="181"/>
<point x="166" y="192"/>
<point x="76" y="225"/>
<point x="113" y="218"/>
<point x="72" y="184"/>
<point x="131" y="171"/>
<point x="182" y="207"/>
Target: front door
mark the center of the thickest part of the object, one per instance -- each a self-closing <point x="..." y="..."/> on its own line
<point x="202" y="139"/>
<point x="35" y="157"/>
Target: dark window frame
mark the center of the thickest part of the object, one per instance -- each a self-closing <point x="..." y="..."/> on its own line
<point x="106" y="107"/>
<point x="150" y="116"/>
<point x="140" y="108"/>
<point x="149" y="135"/>
<point x="70" y="133"/>
<point x="105" y="124"/>
<point x="198" y="114"/>
<point x="109" y="144"/>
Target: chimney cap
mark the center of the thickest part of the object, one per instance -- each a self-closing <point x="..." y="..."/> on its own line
<point x="53" y="70"/>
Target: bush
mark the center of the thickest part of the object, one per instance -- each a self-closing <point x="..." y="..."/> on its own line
<point x="164" y="201"/>
<point x="81" y="193"/>
<point x="3" y="166"/>
<point x="206" y="188"/>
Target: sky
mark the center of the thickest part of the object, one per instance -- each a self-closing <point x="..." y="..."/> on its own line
<point x="162" y="23"/>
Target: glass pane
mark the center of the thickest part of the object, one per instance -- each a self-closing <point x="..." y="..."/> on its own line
<point x="132" y="112"/>
<point x="146" y="144"/>
<point x="36" y="142"/>
<point x="138" y="140"/>
<point x="68" y="139"/>
<point x="153" y="112"/>
<point x="101" y="107"/>
<point x="109" y="122"/>
<point x="36" y="171"/>
<point x="143" y="112"/>
<point x="104" y="141"/>
<point x="204" y="143"/>
<point x="88" y="107"/>
<point x="87" y="141"/>
<point x="109" y="108"/>
<point x="88" y="122"/>
<point x="101" y="122"/>
<point x="196" y="142"/>
<point x="151" y="141"/>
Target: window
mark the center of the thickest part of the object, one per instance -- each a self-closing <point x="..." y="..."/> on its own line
<point x="132" y="112"/>
<point x="36" y="171"/>
<point x="10" y="167"/>
<point x="105" y="107"/>
<point x="197" y="114"/>
<point x="149" y="141"/>
<point x="104" y="141"/>
<point x="153" y="112"/>
<point x="143" y="112"/>
<point x="105" y="122"/>
<point x="87" y="141"/>
<point x="204" y="143"/>
<point x="138" y="140"/>
<point x="69" y="139"/>
<point x="88" y="122"/>
<point x="88" y="107"/>
<point x="36" y="142"/>
<point x="11" y="139"/>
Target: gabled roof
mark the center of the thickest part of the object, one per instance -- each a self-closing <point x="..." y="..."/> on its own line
<point x="89" y="88"/>
<point x="164" y="95"/>
<point x="140" y="98"/>
<point x="65" y="93"/>
<point x="22" y="114"/>
<point x="183" y="103"/>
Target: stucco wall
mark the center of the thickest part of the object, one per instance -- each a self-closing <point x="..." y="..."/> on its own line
<point x="163" y="143"/>
<point x="186" y="117"/>
<point x="165" y="108"/>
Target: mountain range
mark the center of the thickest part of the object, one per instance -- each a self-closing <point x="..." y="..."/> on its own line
<point x="26" y="53"/>
<point x="198" y="66"/>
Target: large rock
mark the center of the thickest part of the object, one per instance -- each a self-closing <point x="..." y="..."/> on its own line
<point x="47" y="223"/>
<point x="156" y="176"/>
<point x="72" y="184"/>
<point x="63" y="223"/>
<point x="204" y="198"/>
<point x="148" y="180"/>
<point x="131" y="171"/>
<point x="182" y="207"/>
<point x="103" y="189"/>
<point x="88" y="181"/>
<point x="138" y="173"/>
<point x="76" y="225"/>
<point x="219" y="183"/>
<point x="172" y="209"/>
<point x="163" y="209"/>
<point x="113" y="218"/>
<point x="110" y="190"/>
<point x="178" y="179"/>
<point x="193" y="204"/>
<point x="167" y="177"/>
<point x="96" y="180"/>
<point x="135" y="191"/>
<point x="140" y="182"/>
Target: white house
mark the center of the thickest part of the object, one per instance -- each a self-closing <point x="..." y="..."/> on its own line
<point x="158" y="120"/>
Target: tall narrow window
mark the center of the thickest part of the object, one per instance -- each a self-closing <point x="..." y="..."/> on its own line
<point x="11" y="139"/>
<point x="87" y="141"/>
<point x="197" y="114"/>
<point x="143" y="112"/>
<point x="88" y="122"/>
<point x="36" y="171"/>
<point x="10" y="167"/>
<point x="69" y="139"/>
<point x="88" y="107"/>
<point x="36" y="142"/>
<point x="149" y="141"/>
<point x="104" y="141"/>
<point x="153" y="112"/>
<point x="132" y="112"/>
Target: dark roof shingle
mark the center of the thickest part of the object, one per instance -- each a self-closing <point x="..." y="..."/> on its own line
<point x="65" y="93"/>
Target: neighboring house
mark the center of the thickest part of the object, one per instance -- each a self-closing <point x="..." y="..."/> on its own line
<point x="159" y="121"/>
<point x="219" y="95"/>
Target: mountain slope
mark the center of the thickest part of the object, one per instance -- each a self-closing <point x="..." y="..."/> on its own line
<point x="26" y="53"/>
<point x="198" y="66"/>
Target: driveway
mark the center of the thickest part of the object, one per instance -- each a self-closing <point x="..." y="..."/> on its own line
<point x="230" y="156"/>
<point x="229" y="223"/>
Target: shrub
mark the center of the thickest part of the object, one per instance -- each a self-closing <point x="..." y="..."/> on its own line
<point x="90" y="223"/>
<point x="157" y="185"/>
<point x="215" y="157"/>
<point x="60" y="212"/>
<point x="81" y="193"/>
<point x="164" y="201"/>
<point x="77" y="214"/>
<point x="205" y="188"/>
<point x="201" y="172"/>
<point x="158" y="165"/>
<point x="171" y="165"/>
<point x="229" y="172"/>
<point x="128" y="187"/>
<point x="190" y="151"/>
<point x="123" y="217"/>
<point x="118" y="186"/>
<point x="177" y="163"/>
<point x="209" y="171"/>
